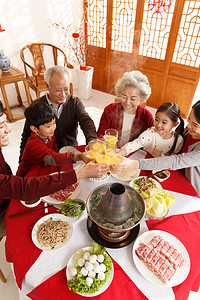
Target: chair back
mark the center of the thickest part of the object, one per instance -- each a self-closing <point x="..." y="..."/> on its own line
<point x="43" y="55"/>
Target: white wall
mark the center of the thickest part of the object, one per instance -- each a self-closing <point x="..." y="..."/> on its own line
<point x="27" y="21"/>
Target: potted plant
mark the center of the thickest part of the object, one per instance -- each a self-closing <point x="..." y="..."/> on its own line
<point x="80" y="55"/>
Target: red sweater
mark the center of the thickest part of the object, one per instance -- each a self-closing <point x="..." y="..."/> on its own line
<point x="28" y="189"/>
<point x="113" y="116"/>
<point x="36" y="151"/>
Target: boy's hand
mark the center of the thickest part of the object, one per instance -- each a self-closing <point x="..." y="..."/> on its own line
<point x="81" y="156"/>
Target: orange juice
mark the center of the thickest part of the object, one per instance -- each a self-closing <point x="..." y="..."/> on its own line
<point x="99" y="147"/>
<point x="111" y="141"/>
<point x="110" y="152"/>
<point x="91" y="154"/>
<point x="102" y="158"/>
<point x="115" y="159"/>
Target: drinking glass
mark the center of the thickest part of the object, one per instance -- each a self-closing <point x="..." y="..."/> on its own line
<point x="111" y="137"/>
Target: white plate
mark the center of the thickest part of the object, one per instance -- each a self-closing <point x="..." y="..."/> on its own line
<point x="45" y="218"/>
<point x="103" y="178"/>
<point x="31" y="205"/>
<point x="72" y="263"/>
<point x="74" y="194"/>
<point x="72" y="150"/>
<point x="180" y="275"/>
<point x="125" y="177"/>
<point x="158" y="185"/>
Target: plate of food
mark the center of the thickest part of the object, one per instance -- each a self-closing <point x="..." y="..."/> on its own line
<point x="102" y="178"/>
<point x="52" y="231"/>
<point x="73" y="150"/>
<point x="143" y="183"/>
<point x="126" y="175"/>
<point x="90" y="271"/>
<point x="33" y="203"/>
<point x="161" y="258"/>
<point x="59" y="197"/>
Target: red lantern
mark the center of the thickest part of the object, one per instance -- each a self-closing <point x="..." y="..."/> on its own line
<point x="83" y="67"/>
<point x="75" y="35"/>
<point x="158" y="6"/>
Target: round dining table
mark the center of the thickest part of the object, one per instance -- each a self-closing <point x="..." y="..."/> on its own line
<point x="41" y="274"/>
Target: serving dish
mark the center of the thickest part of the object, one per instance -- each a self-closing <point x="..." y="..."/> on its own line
<point x="73" y="195"/>
<point x="54" y="217"/>
<point x="161" y="175"/>
<point x="31" y="205"/>
<point x="180" y="275"/>
<point x="126" y="176"/>
<point x="72" y="263"/>
<point x="157" y="184"/>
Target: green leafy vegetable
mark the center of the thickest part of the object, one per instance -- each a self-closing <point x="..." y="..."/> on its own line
<point x="72" y="208"/>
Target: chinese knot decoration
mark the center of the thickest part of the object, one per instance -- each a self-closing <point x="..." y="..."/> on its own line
<point x="158" y="6"/>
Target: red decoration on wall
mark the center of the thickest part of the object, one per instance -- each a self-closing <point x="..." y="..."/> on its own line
<point x="158" y="6"/>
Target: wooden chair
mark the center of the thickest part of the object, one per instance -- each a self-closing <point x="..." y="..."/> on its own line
<point x="2" y="277"/>
<point x="35" y="64"/>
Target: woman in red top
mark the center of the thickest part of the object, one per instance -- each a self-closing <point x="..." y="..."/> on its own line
<point x="128" y="116"/>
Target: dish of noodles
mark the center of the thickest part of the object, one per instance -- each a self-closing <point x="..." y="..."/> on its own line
<point x="52" y="231"/>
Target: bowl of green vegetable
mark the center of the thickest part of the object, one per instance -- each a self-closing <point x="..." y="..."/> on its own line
<point x="73" y="208"/>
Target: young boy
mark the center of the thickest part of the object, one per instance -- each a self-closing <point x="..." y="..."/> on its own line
<point x="41" y="148"/>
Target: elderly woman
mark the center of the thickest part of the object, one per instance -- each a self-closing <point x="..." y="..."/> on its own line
<point x="128" y="116"/>
<point x="188" y="160"/>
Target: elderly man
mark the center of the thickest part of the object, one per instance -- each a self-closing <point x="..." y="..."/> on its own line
<point x="28" y="189"/>
<point x="69" y="110"/>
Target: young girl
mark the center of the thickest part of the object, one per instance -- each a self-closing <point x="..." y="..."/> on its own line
<point x="160" y="139"/>
<point x="189" y="159"/>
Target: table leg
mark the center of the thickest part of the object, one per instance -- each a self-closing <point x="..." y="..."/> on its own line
<point x="27" y="91"/>
<point x="10" y="115"/>
<point x="19" y="99"/>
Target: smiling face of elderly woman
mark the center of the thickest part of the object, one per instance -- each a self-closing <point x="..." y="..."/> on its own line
<point x="132" y="89"/>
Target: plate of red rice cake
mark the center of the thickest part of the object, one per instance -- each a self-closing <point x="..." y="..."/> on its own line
<point x="161" y="258"/>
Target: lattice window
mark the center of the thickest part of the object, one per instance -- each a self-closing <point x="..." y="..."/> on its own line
<point x="187" y="49"/>
<point x="155" y="32"/>
<point x="123" y="23"/>
<point x="97" y="17"/>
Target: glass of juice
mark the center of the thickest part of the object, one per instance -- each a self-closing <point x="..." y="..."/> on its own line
<point x="102" y="158"/>
<point x="111" y="137"/>
<point x="115" y="160"/>
<point x="90" y="153"/>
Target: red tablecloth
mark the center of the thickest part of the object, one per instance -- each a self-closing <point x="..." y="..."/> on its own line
<point x="19" y="247"/>
<point x="185" y="227"/>
<point x="176" y="182"/>
<point x="55" y="288"/>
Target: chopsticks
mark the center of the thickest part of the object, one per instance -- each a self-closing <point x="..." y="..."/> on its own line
<point x="29" y="211"/>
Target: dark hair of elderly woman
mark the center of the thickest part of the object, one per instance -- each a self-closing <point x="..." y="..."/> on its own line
<point x="128" y="116"/>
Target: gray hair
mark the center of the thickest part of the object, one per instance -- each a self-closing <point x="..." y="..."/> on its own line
<point x="134" y="79"/>
<point x="61" y="70"/>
